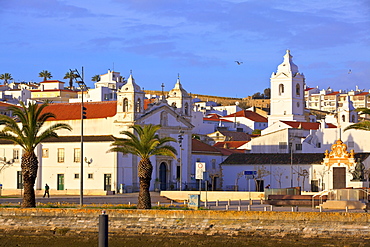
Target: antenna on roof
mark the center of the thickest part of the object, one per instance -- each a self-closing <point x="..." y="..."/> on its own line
<point x="113" y="66"/>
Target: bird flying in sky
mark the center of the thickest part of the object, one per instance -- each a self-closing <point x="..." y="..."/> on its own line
<point x="239" y="63"/>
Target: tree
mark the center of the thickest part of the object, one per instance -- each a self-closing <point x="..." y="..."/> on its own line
<point x="71" y="76"/>
<point x="267" y="93"/>
<point x="45" y="74"/>
<point x="25" y="130"/>
<point x="6" y="77"/>
<point x="95" y="78"/>
<point x="145" y="143"/>
<point x="364" y="125"/>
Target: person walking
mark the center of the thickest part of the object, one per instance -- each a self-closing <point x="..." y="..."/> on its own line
<point x="46" y="190"/>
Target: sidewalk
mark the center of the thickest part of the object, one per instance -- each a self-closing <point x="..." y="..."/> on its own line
<point x="131" y="198"/>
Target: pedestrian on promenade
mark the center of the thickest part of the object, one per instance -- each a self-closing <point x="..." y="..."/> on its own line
<point x="46" y="190"/>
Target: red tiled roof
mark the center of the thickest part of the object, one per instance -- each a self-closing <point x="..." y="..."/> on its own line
<point x="250" y="115"/>
<point x="309" y="88"/>
<point x="333" y="93"/>
<point x="71" y="111"/>
<point x="198" y="146"/>
<point x="363" y="93"/>
<point x="230" y="144"/>
<point x="217" y="120"/>
<point x="3" y="104"/>
<point x="52" y="81"/>
<point x="147" y="102"/>
<point x="213" y="115"/>
<point x="306" y="125"/>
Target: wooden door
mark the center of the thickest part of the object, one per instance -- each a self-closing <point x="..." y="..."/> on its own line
<point x="339" y="177"/>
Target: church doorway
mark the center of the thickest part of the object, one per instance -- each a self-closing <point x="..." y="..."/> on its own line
<point x="339" y="177"/>
<point x="163" y="176"/>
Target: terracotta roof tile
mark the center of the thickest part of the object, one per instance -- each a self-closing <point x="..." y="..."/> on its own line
<point x="250" y="115"/>
<point x="217" y="120"/>
<point x="72" y="111"/>
<point x="307" y="125"/>
<point x="236" y="136"/>
<point x="198" y="146"/>
<point x="230" y="144"/>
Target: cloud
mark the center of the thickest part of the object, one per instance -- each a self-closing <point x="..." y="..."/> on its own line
<point x="44" y="8"/>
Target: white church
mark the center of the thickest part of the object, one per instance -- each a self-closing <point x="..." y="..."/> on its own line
<point x="295" y="150"/>
<point x="60" y="159"/>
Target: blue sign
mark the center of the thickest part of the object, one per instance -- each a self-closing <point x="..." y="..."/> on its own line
<point x="250" y="173"/>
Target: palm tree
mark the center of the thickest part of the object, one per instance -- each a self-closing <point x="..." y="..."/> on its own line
<point x="6" y="77"/>
<point x="45" y="74"/>
<point x="70" y="75"/>
<point x="364" y="125"/>
<point x="95" y="78"/>
<point x="144" y="143"/>
<point x="27" y="134"/>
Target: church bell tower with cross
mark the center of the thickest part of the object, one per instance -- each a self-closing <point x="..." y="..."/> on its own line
<point x="180" y="100"/>
<point x="287" y="92"/>
<point x="130" y="101"/>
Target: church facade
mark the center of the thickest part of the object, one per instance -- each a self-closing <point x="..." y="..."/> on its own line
<point x="60" y="159"/>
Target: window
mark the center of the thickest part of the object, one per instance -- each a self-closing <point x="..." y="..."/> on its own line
<point x="298" y="90"/>
<point x="90" y="176"/>
<point x="351" y="144"/>
<point x="186" y="109"/>
<point x="45" y="153"/>
<point x="281" y="89"/>
<point x="19" y="180"/>
<point x="138" y="105"/>
<point x="16" y="155"/>
<point x="125" y="105"/>
<point x="213" y="162"/>
<point x="77" y="155"/>
<point x="60" y="155"/>
<point x="77" y="175"/>
<point x="318" y="145"/>
<point x="283" y="145"/>
<point x="298" y="146"/>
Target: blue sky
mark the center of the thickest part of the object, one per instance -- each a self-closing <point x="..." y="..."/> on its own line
<point x="199" y="39"/>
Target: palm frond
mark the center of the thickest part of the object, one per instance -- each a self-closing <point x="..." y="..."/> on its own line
<point x="365" y="125"/>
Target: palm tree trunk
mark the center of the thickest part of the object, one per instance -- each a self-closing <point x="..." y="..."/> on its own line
<point x="29" y="166"/>
<point x="145" y="170"/>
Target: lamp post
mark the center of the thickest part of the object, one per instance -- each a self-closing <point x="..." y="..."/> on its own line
<point x="291" y="161"/>
<point x="83" y="87"/>
<point x="180" y="138"/>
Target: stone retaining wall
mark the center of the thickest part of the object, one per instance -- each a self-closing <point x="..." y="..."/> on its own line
<point x="309" y="224"/>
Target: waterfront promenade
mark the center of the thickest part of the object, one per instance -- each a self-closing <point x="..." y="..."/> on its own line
<point x="131" y="198"/>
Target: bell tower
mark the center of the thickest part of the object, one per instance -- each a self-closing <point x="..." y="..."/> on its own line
<point x="130" y="101"/>
<point x="180" y="100"/>
<point x="287" y="92"/>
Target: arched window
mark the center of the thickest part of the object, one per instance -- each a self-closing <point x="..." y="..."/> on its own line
<point x="281" y="89"/>
<point x="353" y="119"/>
<point x="125" y="105"/>
<point x="298" y="89"/>
<point x="186" y="109"/>
<point x="174" y="105"/>
<point x="343" y="118"/>
<point x="138" y="105"/>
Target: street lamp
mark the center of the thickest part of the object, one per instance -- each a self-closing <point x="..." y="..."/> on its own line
<point x="291" y="161"/>
<point x="83" y="88"/>
<point x="180" y="138"/>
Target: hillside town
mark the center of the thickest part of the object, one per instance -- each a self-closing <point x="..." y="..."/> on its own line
<point x="294" y="138"/>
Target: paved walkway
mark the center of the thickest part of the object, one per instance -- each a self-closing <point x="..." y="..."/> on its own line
<point x="131" y="198"/>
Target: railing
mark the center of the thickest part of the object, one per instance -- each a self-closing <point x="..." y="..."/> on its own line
<point x="343" y="195"/>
